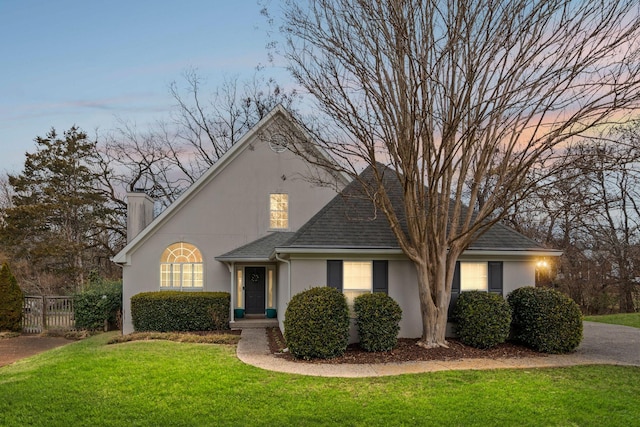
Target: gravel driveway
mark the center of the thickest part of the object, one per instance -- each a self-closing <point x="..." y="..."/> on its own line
<point x="610" y="344"/>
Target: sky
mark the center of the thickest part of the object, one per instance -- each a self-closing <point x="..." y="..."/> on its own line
<point x="91" y="63"/>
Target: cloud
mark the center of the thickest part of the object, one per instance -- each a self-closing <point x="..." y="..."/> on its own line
<point x="123" y="105"/>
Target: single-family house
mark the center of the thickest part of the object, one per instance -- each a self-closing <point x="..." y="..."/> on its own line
<point x="256" y="226"/>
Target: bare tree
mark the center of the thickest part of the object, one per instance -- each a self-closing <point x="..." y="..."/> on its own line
<point x="447" y="93"/>
<point x="612" y="171"/>
<point x="172" y="154"/>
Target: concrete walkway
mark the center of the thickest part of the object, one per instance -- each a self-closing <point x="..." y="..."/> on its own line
<point x="602" y="344"/>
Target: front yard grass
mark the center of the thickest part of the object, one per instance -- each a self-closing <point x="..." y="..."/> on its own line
<point x="167" y="383"/>
<point x="625" y="319"/>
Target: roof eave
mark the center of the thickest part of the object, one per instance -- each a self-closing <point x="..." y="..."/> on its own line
<point x="396" y="251"/>
<point x="513" y="252"/>
<point x="240" y="259"/>
<point x="336" y="250"/>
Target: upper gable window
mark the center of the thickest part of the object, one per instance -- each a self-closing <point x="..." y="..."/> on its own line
<point x="279" y="211"/>
<point x="181" y="267"/>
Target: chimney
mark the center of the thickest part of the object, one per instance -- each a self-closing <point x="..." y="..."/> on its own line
<point x="139" y="212"/>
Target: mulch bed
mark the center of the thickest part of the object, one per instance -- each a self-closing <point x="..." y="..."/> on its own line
<point x="407" y="351"/>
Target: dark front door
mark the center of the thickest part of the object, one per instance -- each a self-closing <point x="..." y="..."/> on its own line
<point x="254" y="289"/>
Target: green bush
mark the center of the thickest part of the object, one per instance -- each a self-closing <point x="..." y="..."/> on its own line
<point x="483" y="319"/>
<point x="316" y="324"/>
<point x="172" y="311"/>
<point x="11" y="301"/>
<point x="545" y="320"/>
<point x="100" y="302"/>
<point x="378" y="319"/>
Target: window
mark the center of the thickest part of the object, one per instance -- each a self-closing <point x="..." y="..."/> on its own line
<point x="279" y="211"/>
<point x="181" y="267"/>
<point x="357" y="279"/>
<point x="469" y="276"/>
<point x="271" y="287"/>
<point x="354" y="278"/>
<point x="239" y="288"/>
<point x="473" y="276"/>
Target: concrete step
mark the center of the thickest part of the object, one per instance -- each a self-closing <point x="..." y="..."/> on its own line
<point x="248" y="322"/>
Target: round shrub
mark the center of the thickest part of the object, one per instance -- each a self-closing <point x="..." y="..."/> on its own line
<point x="545" y="320"/>
<point x="483" y="319"/>
<point x="11" y="301"/>
<point x="378" y="319"/>
<point x="316" y="324"/>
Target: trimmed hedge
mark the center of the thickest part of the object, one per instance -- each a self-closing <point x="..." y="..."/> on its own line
<point x="11" y="301"/>
<point x="316" y="324"/>
<point x="102" y="301"/>
<point x="378" y="319"/>
<point x="483" y="319"/>
<point x="545" y="319"/>
<point x="174" y="311"/>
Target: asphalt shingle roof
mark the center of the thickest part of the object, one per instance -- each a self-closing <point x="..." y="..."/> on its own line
<point x="259" y="249"/>
<point x="351" y="221"/>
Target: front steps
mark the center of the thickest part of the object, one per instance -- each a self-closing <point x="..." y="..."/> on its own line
<point x="253" y="322"/>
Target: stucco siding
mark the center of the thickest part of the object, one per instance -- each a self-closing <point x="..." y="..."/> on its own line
<point x="403" y="286"/>
<point x="228" y="211"/>
<point x="517" y="274"/>
<point x="307" y="273"/>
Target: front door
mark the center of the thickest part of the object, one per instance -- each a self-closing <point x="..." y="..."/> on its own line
<point x="254" y="290"/>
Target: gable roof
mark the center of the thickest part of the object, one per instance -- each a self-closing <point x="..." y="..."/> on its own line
<point x="279" y="111"/>
<point x="351" y="222"/>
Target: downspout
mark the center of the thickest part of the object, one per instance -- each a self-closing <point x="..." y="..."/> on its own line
<point x="288" y="273"/>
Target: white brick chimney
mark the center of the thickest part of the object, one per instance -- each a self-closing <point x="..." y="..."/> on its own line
<point x="139" y="213"/>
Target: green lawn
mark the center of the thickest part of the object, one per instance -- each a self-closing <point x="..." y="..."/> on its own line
<point x="162" y="383"/>
<point x="626" y="319"/>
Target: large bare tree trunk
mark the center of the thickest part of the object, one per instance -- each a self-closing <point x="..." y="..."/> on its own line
<point x="462" y="100"/>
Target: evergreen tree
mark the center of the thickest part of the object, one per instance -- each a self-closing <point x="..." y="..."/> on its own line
<point x="59" y="214"/>
<point x="11" y="301"/>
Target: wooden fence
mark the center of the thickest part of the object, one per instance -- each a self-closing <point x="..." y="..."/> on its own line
<point x="43" y="313"/>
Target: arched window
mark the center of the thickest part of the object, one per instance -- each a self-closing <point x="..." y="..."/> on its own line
<point x="181" y="267"/>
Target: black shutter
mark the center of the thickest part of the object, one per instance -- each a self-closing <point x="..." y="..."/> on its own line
<point x="381" y="276"/>
<point x="495" y="277"/>
<point x="455" y="289"/>
<point x="334" y="274"/>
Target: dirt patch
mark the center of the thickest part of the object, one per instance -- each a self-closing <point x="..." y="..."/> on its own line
<point x="16" y="348"/>
<point x="408" y="351"/>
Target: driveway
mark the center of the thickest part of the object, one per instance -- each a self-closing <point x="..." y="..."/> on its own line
<point x="13" y="349"/>
<point x="602" y="344"/>
<point x="610" y="344"/>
